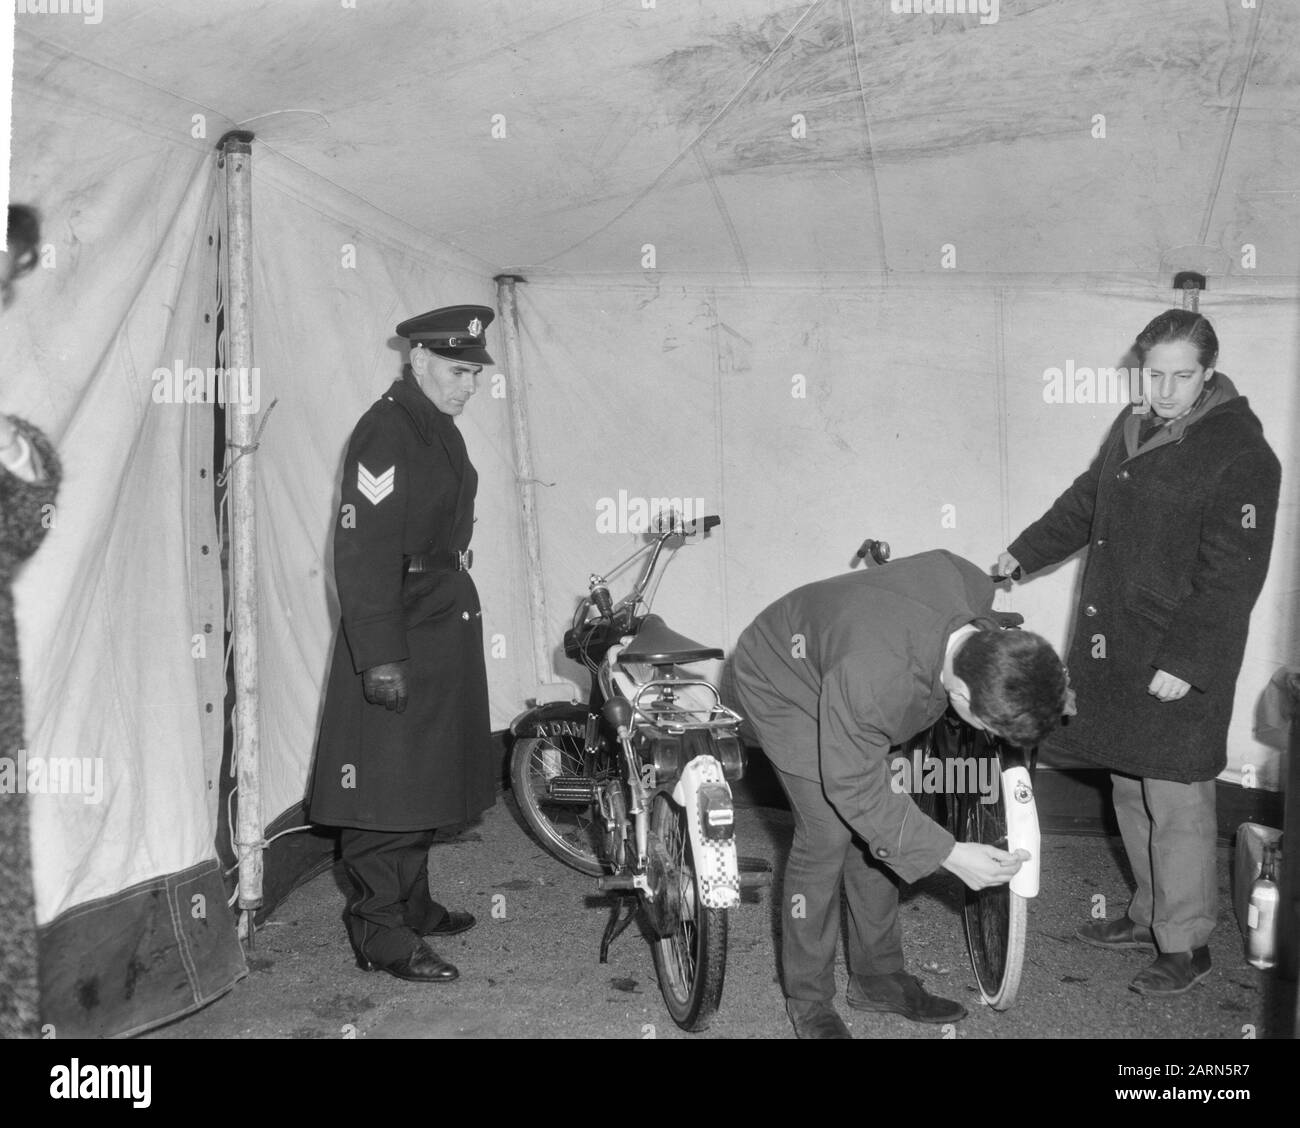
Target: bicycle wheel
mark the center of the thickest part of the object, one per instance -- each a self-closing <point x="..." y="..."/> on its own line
<point x="691" y="961"/>
<point x="995" y="917"/>
<point x="551" y="776"/>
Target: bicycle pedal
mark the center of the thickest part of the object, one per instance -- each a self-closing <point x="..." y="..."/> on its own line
<point x="753" y="865"/>
<point x="571" y="789"/>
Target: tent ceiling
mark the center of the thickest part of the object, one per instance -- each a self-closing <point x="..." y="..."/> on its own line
<point x="672" y="125"/>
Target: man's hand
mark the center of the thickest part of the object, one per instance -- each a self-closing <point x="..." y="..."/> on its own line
<point x="1167" y="687"/>
<point x="1007" y="564"/>
<point x="386" y="685"/>
<point x="980" y="866"/>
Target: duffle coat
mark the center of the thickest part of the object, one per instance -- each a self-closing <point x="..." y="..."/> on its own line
<point x="1179" y="535"/>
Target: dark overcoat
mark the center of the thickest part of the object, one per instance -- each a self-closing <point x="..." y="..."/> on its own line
<point x="26" y="512"/>
<point x="1179" y="535"/>
<point x="408" y="488"/>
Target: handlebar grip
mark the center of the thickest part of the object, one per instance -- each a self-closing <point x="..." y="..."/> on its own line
<point x="712" y="522"/>
<point x="878" y="550"/>
<point x="997" y="579"/>
<point x="603" y="604"/>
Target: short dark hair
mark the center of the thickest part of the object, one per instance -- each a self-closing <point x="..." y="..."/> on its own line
<point x="1179" y="325"/>
<point x="24" y="237"/>
<point x="1017" y="683"/>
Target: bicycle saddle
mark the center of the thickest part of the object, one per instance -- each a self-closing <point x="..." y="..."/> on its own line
<point x="656" y="644"/>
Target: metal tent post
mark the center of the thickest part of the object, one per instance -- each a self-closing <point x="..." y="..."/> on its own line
<point x="237" y="159"/>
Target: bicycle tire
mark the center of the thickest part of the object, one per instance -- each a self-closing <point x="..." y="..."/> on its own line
<point x="995" y="918"/>
<point x="691" y="963"/>
<point x="568" y="832"/>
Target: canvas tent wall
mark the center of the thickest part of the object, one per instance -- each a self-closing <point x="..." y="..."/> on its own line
<point x="122" y="614"/>
<point x="806" y="262"/>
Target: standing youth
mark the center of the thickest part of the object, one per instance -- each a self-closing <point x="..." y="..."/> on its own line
<point x="1177" y="513"/>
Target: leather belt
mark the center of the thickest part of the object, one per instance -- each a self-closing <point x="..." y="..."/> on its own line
<point x="450" y="560"/>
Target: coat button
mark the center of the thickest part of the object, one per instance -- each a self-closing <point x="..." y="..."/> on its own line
<point x="1123" y="475"/>
<point x="882" y="852"/>
<point x="1101" y="541"/>
<point x="465" y="615"/>
<point x="1090" y="610"/>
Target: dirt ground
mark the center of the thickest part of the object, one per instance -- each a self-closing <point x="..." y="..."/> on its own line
<point x="530" y="968"/>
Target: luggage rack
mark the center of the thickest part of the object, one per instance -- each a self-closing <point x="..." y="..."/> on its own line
<point x="677" y="718"/>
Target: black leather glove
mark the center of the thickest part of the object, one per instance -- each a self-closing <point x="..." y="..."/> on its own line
<point x="385" y="685"/>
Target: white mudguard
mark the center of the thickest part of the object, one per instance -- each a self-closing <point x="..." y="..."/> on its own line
<point x="716" y="872"/>
<point x="1022" y="828"/>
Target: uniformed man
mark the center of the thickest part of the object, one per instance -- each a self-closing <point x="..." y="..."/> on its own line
<point x="831" y="676"/>
<point x="404" y="742"/>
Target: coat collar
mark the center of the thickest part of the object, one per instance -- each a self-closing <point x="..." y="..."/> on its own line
<point x="429" y="421"/>
<point x="1221" y="393"/>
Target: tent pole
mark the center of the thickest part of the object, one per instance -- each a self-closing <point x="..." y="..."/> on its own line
<point x="1191" y="283"/>
<point x="524" y="480"/>
<point x="237" y="158"/>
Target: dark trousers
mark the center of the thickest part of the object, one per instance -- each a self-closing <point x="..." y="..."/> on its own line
<point x="391" y="903"/>
<point x="823" y="857"/>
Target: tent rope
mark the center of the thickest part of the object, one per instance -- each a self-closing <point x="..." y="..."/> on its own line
<point x="260" y="843"/>
<point x="246" y="448"/>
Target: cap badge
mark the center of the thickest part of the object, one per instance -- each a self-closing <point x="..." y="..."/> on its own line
<point x="475" y="327"/>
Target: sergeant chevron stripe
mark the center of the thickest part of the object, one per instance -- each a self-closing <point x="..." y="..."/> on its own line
<point x="375" y="487"/>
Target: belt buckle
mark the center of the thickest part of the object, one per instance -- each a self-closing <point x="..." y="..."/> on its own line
<point x="464" y="560"/>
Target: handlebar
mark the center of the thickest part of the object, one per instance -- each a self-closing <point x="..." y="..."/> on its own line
<point x="879" y="552"/>
<point x="675" y="527"/>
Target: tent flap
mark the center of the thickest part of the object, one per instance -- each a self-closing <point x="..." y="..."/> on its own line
<point x="151" y="953"/>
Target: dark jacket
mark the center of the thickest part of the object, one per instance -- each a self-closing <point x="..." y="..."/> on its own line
<point x="408" y="488"/>
<point x="26" y="515"/>
<point x="836" y="672"/>
<point x="1179" y="534"/>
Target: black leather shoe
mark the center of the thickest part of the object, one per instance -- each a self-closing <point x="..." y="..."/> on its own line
<point x="815" y="1020"/>
<point x="453" y="924"/>
<point x="423" y="965"/>
<point x="1116" y="934"/>
<point x="900" y="993"/>
<point x="1173" y="973"/>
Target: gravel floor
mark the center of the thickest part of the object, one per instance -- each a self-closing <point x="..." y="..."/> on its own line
<point x="530" y="968"/>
